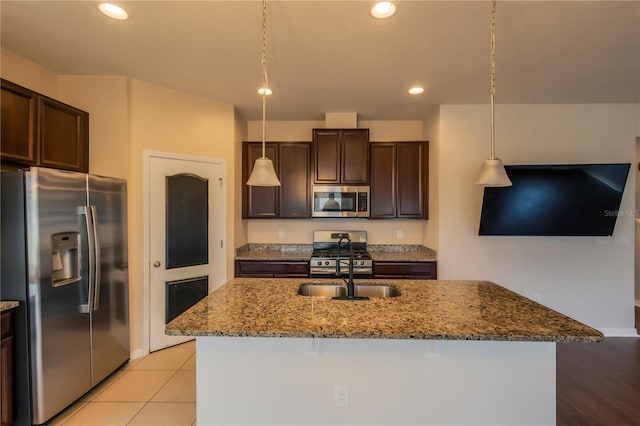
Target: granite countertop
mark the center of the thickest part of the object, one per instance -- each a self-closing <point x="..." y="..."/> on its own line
<point x="426" y="309"/>
<point x="7" y="305"/>
<point x="275" y="252"/>
<point x="302" y="252"/>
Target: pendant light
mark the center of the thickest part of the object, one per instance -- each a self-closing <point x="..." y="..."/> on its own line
<point x="263" y="173"/>
<point x="492" y="172"/>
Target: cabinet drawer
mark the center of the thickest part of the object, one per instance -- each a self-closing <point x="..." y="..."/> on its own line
<point x="419" y="270"/>
<point x="7" y="324"/>
<point x="261" y="268"/>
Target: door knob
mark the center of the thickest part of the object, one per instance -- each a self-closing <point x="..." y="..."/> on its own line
<point x="156" y="264"/>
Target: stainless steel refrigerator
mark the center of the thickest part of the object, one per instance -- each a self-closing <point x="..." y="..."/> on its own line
<point x="64" y="257"/>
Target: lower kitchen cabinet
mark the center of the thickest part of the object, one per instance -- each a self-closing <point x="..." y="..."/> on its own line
<point x="271" y="269"/>
<point x="6" y="368"/>
<point x="405" y="270"/>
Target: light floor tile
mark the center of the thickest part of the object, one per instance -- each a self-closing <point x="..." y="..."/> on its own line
<point x="93" y="393"/>
<point x="135" y="385"/>
<point x="133" y="362"/>
<point x="190" y="364"/>
<point x="105" y="413"/>
<point x="166" y="359"/>
<point x="61" y="418"/>
<point x="165" y="413"/>
<point x="180" y="388"/>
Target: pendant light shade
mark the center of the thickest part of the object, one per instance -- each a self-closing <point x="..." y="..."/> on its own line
<point x="263" y="173"/>
<point x="493" y="172"/>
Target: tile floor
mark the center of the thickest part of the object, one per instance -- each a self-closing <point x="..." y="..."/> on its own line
<point x="159" y="389"/>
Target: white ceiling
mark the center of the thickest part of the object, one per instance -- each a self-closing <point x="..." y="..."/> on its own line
<point x="331" y="56"/>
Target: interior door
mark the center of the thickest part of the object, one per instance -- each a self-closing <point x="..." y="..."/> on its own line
<point x="187" y="227"/>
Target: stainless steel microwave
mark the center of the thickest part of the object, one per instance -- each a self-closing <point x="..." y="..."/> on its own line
<point x="340" y="201"/>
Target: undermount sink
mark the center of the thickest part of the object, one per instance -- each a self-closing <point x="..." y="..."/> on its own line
<point x="337" y="289"/>
<point x="322" y="290"/>
<point x="376" y="290"/>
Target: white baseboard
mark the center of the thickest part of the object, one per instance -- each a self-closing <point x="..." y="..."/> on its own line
<point x="139" y="353"/>
<point x="619" y="332"/>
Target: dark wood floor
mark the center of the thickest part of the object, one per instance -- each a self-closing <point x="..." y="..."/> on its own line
<point x="599" y="383"/>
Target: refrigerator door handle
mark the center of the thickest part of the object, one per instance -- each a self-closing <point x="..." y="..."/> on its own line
<point x="96" y="259"/>
<point x="88" y="221"/>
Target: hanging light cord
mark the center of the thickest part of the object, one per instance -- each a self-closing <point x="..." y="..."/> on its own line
<point x="265" y="80"/>
<point x="492" y="59"/>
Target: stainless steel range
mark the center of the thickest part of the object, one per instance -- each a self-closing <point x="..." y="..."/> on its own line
<point x="333" y="252"/>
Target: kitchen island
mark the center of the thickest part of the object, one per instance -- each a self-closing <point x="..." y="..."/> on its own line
<point x="443" y="352"/>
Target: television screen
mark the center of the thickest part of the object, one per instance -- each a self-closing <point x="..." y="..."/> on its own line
<point x="555" y="200"/>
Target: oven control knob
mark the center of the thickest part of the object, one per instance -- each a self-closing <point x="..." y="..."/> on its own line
<point x="326" y="262"/>
<point x="319" y="263"/>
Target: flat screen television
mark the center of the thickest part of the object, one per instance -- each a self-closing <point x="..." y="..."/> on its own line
<point x="555" y="200"/>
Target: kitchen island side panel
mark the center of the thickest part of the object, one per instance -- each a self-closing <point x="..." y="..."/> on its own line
<point x="262" y="381"/>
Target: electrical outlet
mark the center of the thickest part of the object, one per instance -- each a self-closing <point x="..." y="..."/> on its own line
<point x="399" y="234"/>
<point x="281" y="233"/>
<point x="341" y="395"/>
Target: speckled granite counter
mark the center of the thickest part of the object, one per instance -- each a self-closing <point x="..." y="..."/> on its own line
<point x="275" y="252"/>
<point x="295" y="252"/>
<point x="427" y="309"/>
<point x="401" y="253"/>
<point x="7" y="305"/>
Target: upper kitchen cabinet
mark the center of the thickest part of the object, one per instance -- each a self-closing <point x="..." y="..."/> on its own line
<point x="292" y="162"/>
<point x="294" y="172"/>
<point x="399" y="180"/>
<point x="341" y="156"/>
<point x="18" y="123"/>
<point x="40" y="131"/>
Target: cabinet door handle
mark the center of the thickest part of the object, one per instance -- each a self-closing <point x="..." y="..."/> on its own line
<point x="156" y="264"/>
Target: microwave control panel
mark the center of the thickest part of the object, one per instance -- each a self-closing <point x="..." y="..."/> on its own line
<point x="363" y="204"/>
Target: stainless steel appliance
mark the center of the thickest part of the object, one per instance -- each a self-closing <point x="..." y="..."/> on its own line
<point x="333" y="252"/>
<point x="64" y="257"/>
<point x="340" y="201"/>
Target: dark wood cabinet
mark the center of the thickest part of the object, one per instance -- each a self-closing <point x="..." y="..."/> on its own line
<point x="295" y="176"/>
<point x="405" y="270"/>
<point x="271" y="269"/>
<point x="6" y="368"/>
<point x="258" y="202"/>
<point x="292" y="162"/>
<point x="399" y="180"/>
<point x="18" y="124"/>
<point x="63" y="136"/>
<point x="341" y="156"/>
<point x="40" y="131"/>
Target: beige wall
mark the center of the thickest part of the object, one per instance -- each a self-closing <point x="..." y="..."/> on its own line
<point x="240" y="227"/>
<point x="432" y="134"/>
<point x="166" y="120"/>
<point x="126" y="118"/>
<point x="590" y="279"/>
<point x="19" y="70"/>
<point x="301" y="230"/>
<point x="107" y="100"/>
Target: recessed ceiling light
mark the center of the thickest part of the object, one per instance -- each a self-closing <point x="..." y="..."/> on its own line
<point x="416" y="90"/>
<point x="262" y="90"/>
<point x="113" y="11"/>
<point x="383" y="9"/>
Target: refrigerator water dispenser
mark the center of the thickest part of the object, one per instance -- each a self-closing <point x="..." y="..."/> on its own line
<point x="65" y="258"/>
